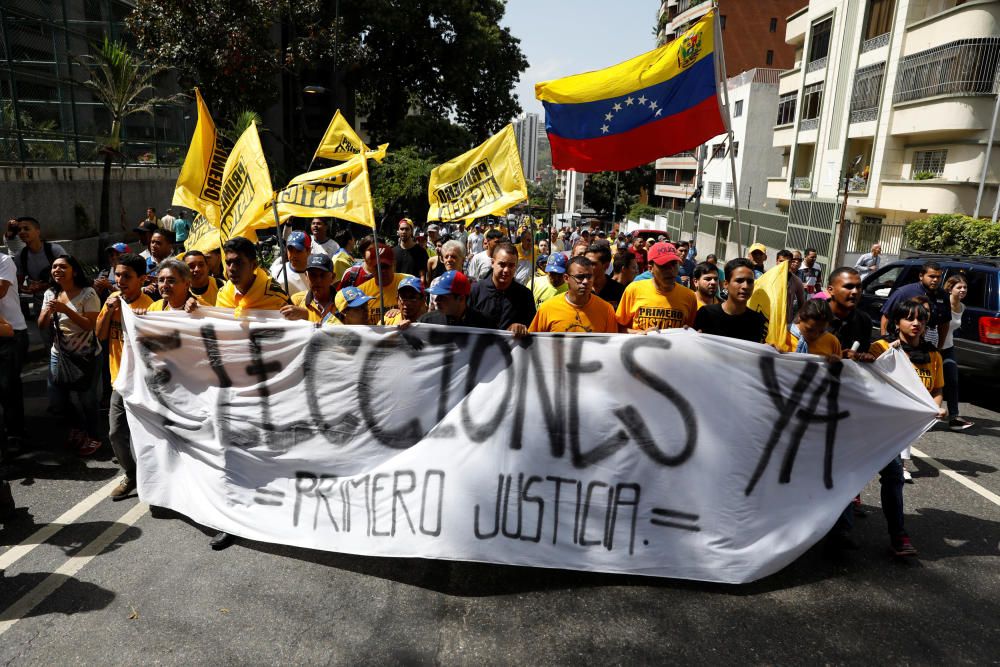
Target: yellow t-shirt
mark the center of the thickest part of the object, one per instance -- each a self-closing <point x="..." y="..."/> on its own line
<point x="544" y="290"/>
<point x="265" y="294"/>
<point x="341" y="262"/>
<point x="827" y="345"/>
<point x="702" y="304"/>
<point x="559" y="315"/>
<point x="931" y="373"/>
<point x="316" y="312"/>
<point x="644" y="307"/>
<point x="370" y="287"/>
<point x="211" y="293"/>
<point x="116" y="334"/>
<point x="162" y="305"/>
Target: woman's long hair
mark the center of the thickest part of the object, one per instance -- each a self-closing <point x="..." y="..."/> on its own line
<point x="79" y="277"/>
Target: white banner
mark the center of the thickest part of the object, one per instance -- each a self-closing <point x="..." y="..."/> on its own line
<point x="675" y="454"/>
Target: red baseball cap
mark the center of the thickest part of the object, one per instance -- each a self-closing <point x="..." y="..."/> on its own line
<point x="385" y="254"/>
<point x="662" y="253"/>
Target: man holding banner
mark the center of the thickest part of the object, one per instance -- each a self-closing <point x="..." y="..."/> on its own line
<point x="249" y="286"/>
<point x="659" y="303"/>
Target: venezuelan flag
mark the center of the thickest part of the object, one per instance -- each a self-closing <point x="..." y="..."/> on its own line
<point x="657" y="104"/>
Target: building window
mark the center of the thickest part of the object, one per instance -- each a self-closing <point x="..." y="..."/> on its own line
<point x="722" y="21"/>
<point x="812" y="100"/>
<point x="879" y="18"/>
<point x="964" y="67"/>
<point x="714" y="189"/>
<point x="786" y="109"/>
<point x="736" y="149"/>
<point x="770" y="57"/>
<point x="737" y="108"/>
<point x="819" y="43"/>
<point x="729" y="191"/>
<point x="774" y="25"/>
<point x="866" y="93"/>
<point x="719" y="150"/>
<point x="929" y="162"/>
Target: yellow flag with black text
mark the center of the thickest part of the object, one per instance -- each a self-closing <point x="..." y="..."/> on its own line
<point x="246" y="188"/>
<point x="204" y="236"/>
<point x="341" y="192"/>
<point x="484" y="181"/>
<point x="341" y="142"/>
<point x="770" y="298"/>
<point x="199" y="184"/>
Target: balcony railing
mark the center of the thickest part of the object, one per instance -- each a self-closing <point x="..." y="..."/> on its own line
<point x="875" y="43"/>
<point x="864" y="115"/>
<point x="809" y="124"/>
<point x="801" y="183"/>
<point x="963" y="67"/>
<point x="817" y="64"/>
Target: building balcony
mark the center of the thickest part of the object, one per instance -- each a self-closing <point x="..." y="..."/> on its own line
<point x="932" y="196"/>
<point x="777" y="188"/>
<point x="681" y="161"/>
<point x="817" y="65"/>
<point x="784" y="135"/>
<point x="876" y="42"/>
<point x="789" y="81"/>
<point x="962" y="67"/>
<point x="944" y="116"/>
<point x="802" y="183"/>
<point x="681" y="190"/>
<point x="974" y="18"/>
<point x="689" y="10"/>
<point x="796" y="26"/>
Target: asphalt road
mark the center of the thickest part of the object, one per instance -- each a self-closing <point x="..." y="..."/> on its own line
<point x="114" y="584"/>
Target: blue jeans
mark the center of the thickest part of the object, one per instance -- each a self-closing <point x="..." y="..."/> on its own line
<point x="62" y="399"/>
<point x="891" y="481"/>
<point x="950" y="380"/>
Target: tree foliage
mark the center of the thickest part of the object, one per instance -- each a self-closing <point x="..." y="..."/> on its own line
<point x="399" y="184"/>
<point x="442" y="58"/>
<point x="954" y="234"/>
<point x="599" y="189"/>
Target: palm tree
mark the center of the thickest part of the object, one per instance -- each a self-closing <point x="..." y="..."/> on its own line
<point x="122" y="83"/>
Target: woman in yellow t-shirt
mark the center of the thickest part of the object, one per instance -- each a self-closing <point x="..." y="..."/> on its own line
<point x="811" y="322"/>
<point x="907" y="324"/>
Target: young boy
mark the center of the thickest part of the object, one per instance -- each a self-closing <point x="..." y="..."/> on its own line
<point x="351" y="307"/>
<point x="130" y="274"/>
<point x="812" y="321"/>
<point x="733" y="318"/>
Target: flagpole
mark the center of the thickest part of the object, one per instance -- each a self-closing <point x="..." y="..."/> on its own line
<point x="281" y="241"/>
<point x="720" y="77"/>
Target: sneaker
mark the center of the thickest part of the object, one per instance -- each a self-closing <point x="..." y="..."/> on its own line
<point x="89" y="446"/>
<point x="124" y="488"/>
<point x="907" y="477"/>
<point x="959" y="424"/>
<point x="76" y="438"/>
<point x="902" y="547"/>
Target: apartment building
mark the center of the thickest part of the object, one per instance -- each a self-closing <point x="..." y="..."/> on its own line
<point x="526" y="128"/>
<point x="753" y="37"/>
<point x="895" y="98"/>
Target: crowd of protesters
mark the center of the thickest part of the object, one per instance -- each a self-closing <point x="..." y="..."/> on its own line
<point x="526" y="280"/>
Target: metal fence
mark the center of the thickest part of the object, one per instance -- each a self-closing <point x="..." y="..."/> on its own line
<point x="861" y="235"/>
<point x="966" y="66"/>
<point x="47" y="115"/>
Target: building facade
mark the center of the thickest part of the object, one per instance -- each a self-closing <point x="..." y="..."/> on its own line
<point x="526" y="133"/>
<point x="894" y="98"/>
<point x="753" y="37"/>
<point x="569" y="191"/>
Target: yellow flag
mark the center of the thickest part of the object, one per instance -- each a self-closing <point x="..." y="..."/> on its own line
<point x="341" y="142"/>
<point x="484" y="181"/>
<point x="770" y="298"/>
<point x="199" y="185"/>
<point x="246" y="188"/>
<point x="341" y="192"/>
<point x="204" y="236"/>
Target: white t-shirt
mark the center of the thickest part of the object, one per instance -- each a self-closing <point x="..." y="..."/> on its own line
<point x="956" y="322"/>
<point x="475" y="243"/>
<point x="14" y="246"/>
<point x="10" y="304"/>
<point x="327" y="247"/>
<point x="296" y="281"/>
<point x="167" y="222"/>
<point x="480" y="265"/>
<point x="74" y="338"/>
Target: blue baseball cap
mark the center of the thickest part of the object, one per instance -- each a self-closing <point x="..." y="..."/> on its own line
<point x="451" y="282"/>
<point x="118" y="247"/>
<point x="556" y="264"/>
<point x="150" y="264"/>
<point x="350" y="297"/>
<point x="321" y="261"/>
<point x="299" y="241"/>
<point x="413" y="282"/>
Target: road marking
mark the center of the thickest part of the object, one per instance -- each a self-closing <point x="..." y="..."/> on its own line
<point x="985" y="493"/>
<point x="21" y="550"/>
<point x="67" y="570"/>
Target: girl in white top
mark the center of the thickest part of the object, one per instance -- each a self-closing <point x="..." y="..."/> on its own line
<point x="71" y="307"/>
<point x="957" y="288"/>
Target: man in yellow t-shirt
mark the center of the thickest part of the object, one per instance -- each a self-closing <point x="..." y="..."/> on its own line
<point x="578" y="310"/>
<point x="659" y="303"/>
<point x="554" y="283"/>
<point x="390" y="283"/>
<point x="249" y="286"/>
<point x="317" y="303"/>
<point x="204" y="285"/>
<point x="130" y="273"/>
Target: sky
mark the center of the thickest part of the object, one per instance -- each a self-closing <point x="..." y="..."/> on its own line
<point x="563" y="37"/>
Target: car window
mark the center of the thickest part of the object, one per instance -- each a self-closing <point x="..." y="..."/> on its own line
<point x="979" y="286"/>
<point x="882" y="282"/>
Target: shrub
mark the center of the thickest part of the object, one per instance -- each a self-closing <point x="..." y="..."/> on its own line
<point x="643" y="211"/>
<point x="924" y="175"/>
<point x="954" y="234"/>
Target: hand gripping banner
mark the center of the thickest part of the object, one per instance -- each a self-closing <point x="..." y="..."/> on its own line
<point x="610" y="453"/>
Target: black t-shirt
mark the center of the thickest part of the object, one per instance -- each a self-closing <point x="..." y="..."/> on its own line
<point x="514" y="304"/>
<point x="612" y="292"/>
<point x="411" y="260"/>
<point x="855" y="327"/>
<point x="471" y="318"/>
<point x="751" y="325"/>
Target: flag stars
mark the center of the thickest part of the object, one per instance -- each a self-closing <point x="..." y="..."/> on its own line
<point x="652" y="104"/>
<point x="605" y="129"/>
<point x="658" y="112"/>
<point x="608" y="116"/>
<point x="628" y="101"/>
<point x="642" y="99"/>
<point x="617" y="107"/>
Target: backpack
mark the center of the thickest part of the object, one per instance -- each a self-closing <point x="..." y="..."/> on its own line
<point x="22" y="260"/>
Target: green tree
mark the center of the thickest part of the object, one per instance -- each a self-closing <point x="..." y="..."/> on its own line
<point x="399" y="184"/>
<point x="599" y="189"/>
<point x="122" y="83"/>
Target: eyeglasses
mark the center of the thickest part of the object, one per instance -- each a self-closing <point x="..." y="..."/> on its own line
<point x="581" y="277"/>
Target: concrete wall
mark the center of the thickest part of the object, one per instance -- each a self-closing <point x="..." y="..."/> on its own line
<point x="67" y="200"/>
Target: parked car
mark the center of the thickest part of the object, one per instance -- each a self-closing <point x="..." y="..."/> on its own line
<point x="977" y="341"/>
